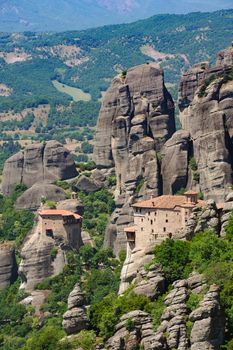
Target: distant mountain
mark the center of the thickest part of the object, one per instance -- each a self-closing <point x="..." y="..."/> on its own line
<point x="61" y="15"/>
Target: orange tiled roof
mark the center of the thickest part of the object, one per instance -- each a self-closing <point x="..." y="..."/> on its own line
<point x="130" y="229"/>
<point x="167" y="202"/>
<point x="60" y="212"/>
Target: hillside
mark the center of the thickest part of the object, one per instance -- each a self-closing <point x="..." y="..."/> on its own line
<point x="23" y="15"/>
<point x="69" y="72"/>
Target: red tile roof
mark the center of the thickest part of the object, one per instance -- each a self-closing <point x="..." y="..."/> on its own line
<point x="60" y="212"/>
<point x="167" y="202"/>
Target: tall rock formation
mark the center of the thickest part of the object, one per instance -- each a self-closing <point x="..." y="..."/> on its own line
<point x="206" y="105"/>
<point x="38" y="162"/>
<point x="8" y="265"/>
<point x="136" y="119"/>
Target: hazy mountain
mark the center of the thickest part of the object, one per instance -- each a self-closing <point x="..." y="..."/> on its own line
<point x="59" y="15"/>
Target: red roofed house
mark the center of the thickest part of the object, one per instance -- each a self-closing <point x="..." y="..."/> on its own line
<point x="61" y="225"/>
<point x="159" y="218"/>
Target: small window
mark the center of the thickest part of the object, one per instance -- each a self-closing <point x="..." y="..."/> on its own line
<point x="141" y="228"/>
<point x="149" y="213"/>
<point x="164" y="229"/>
<point x="152" y="231"/>
<point x="151" y="222"/>
<point x="166" y="220"/>
<point x="141" y="219"/>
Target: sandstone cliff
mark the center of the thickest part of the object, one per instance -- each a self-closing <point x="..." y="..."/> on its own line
<point x="8" y="265"/>
<point x="136" y="119"/>
<point x="206" y="111"/>
<point x="38" y="162"/>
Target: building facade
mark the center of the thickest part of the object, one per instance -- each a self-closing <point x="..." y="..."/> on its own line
<point x="62" y="225"/>
<point x="160" y="218"/>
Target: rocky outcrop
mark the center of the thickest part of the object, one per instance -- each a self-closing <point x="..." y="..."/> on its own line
<point x="87" y="184"/>
<point x="205" y="102"/>
<point x="136" y="119"/>
<point x="208" y="322"/>
<point x="31" y="198"/>
<point x="175" y="157"/>
<point x="204" y="329"/>
<point x="151" y="283"/>
<point x="135" y="330"/>
<point x="38" y="162"/>
<point x="75" y="319"/>
<point x="226" y="212"/>
<point x="44" y="255"/>
<point x="8" y="265"/>
<point x="225" y="57"/>
<point x="200" y="220"/>
<point x="72" y="204"/>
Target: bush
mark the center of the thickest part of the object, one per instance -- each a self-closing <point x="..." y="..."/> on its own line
<point x="174" y="258"/>
<point x="51" y="204"/>
<point x="193" y="164"/>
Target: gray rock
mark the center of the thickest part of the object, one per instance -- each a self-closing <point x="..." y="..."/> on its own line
<point x="87" y="184"/>
<point x="37" y="163"/>
<point x="8" y="265"/>
<point x="175" y="155"/>
<point x="75" y="319"/>
<point x="31" y="198"/>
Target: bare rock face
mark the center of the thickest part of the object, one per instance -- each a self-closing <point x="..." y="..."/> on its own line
<point x="225" y="57"/>
<point x="175" y="156"/>
<point x="135" y="330"/>
<point x="87" y="184"/>
<point x="205" y="101"/>
<point x="37" y="163"/>
<point x="45" y="255"/>
<point x="208" y="322"/>
<point x="31" y="198"/>
<point x="72" y="204"/>
<point x="136" y="119"/>
<point x="8" y="265"/>
<point x="75" y="319"/>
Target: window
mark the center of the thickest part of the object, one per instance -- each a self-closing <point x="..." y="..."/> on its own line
<point x="149" y="213"/>
<point x="141" y="219"/>
<point x="49" y="232"/>
<point x="164" y="229"/>
<point x="152" y="231"/>
<point x="166" y="220"/>
<point x="141" y="228"/>
<point x="151" y="222"/>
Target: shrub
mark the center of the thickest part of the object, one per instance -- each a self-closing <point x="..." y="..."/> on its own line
<point x="193" y="164"/>
<point x="51" y="204"/>
<point x="139" y="183"/>
<point x="174" y="258"/>
<point x="53" y="253"/>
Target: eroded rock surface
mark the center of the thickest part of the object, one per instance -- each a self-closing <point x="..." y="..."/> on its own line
<point x="136" y="119"/>
<point x="39" y="162"/>
<point x="8" y="265"/>
<point x="75" y="319"/>
<point x="31" y="198"/>
<point x="205" y="102"/>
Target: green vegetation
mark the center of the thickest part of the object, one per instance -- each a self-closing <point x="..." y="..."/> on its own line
<point x="76" y="94"/>
<point x="193" y="164"/>
<point x="14" y="224"/>
<point x="139" y="183"/>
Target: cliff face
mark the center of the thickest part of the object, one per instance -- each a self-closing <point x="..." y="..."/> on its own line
<point x="136" y="119"/>
<point x="206" y="104"/>
<point x="8" y="265"/>
<point x="38" y="162"/>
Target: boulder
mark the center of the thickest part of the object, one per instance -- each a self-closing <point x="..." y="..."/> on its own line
<point x="37" y="163"/>
<point x="31" y="198"/>
<point x="75" y="319"/>
<point x="72" y="204"/>
<point x="87" y="184"/>
<point x="8" y="265"/>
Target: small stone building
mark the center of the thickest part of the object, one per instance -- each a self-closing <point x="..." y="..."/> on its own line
<point x="159" y="218"/>
<point x="61" y="225"/>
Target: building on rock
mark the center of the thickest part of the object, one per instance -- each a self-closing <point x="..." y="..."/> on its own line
<point x="61" y="225"/>
<point x="159" y="218"/>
